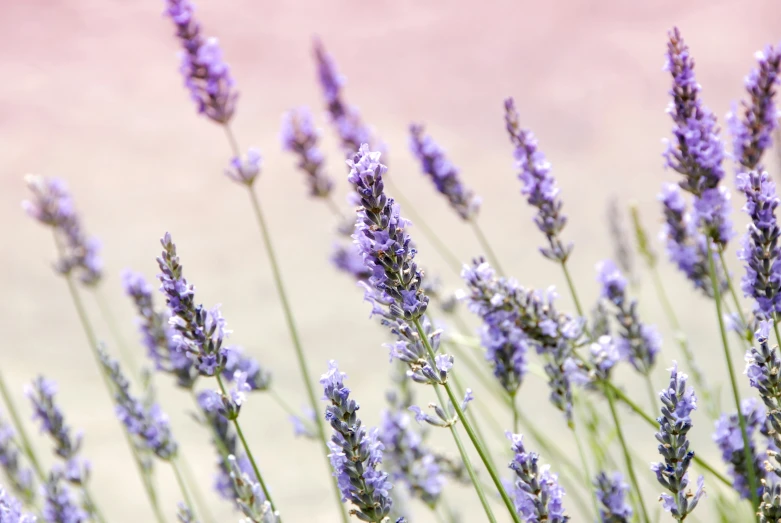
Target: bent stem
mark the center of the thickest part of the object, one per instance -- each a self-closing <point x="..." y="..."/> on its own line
<point x="17" y="422"/>
<point x="625" y="449"/>
<point x="289" y="318"/>
<point x="182" y="486"/>
<point x="470" y="432"/>
<point x="486" y="246"/>
<point x="752" y="480"/>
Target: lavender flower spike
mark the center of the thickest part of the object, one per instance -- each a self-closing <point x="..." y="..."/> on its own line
<point x="611" y="493"/>
<point x="249" y="496"/>
<point x="444" y="174"/>
<point x="763" y="368"/>
<point x="206" y="75"/>
<point x="760" y="251"/>
<point x="58" y="504"/>
<point x="52" y="205"/>
<point x="696" y="151"/>
<point x="637" y="342"/>
<point x="148" y="426"/>
<point x="678" y="402"/>
<point x="11" y="509"/>
<point x="729" y="439"/>
<point x="539" y="186"/>
<point x="67" y="447"/>
<point x="355" y="454"/>
<point x="538" y="495"/>
<point x="300" y="137"/>
<point x="19" y="477"/>
<point x="751" y="134"/>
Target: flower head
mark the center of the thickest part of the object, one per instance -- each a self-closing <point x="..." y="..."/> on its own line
<point x="300" y="137"/>
<point x="58" y="503"/>
<point x="729" y="438"/>
<point x="245" y="170"/>
<point x="538" y="494"/>
<point x="612" y="493"/>
<point x="19" y="476"/>
<point x="11" y="510"/>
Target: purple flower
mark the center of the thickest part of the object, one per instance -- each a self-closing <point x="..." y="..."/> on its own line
<point x="300" y="137"/>
<point x="678" y="402"/>
<point x="349" y="260"/>
<point x="205" y="73"/>
<point x="637" y="342"/>
<point x="255" y="376"/>
<point x="729" y="438"/>
<point x="696" y="151"/>
<point x="148" y="426"/>
<point x="751" y="134"/>
<point x="245" y="170"/>
<point x="66" y="446"/>
<point x="304" y="425"/>
<point x="538" y="494"/>
<point x="760" y="251"/>
<point x="249" y="495"/>
<point x="19" y="477"/>
<point x="539" y="186"/>
<point x="444" y="174"/>
<point x="58" y="504"/>
<point x="11" y="509"/>
<point x="612" y="493"/>
<point x="355" y="453"/>
<point x="52" y="205"/>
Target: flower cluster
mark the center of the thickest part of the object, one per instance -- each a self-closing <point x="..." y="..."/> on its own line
<point x="729" y="438"/>
<point x="249" y="495"/>
<point x="539" y="186"/>
<point x="300" y="137"/>
<point x="603" y="356"/>
<point x="58" y="503"/>
<point x="770" y="505"/>
<point x="678" y="402"/>
<point x="67" y="447"/>
<point x="504" y="303"/>
<point x="355" y="453"/>
<point x="760" y="251"/>
<point x="612" y="493"/>
<point x="245" y="170"/>
<point x="637" y="342"/>
<point x="696" y="150"/>
<point x="538" y="495"/>
<point x="751" y="134"/>
<point x="148" y="425"/>
<point x="52" y="205"/>
<point x="205" y="73"/>
<point x="11" y="510"/>
<point x="443" y="174"/>
<point x="19" y="476"/>
<point x="349" y="260"/>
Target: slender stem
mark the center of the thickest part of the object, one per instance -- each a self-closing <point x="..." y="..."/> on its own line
<point x="93" y="343"/>
<point x="731" y="287"/>
<point x="331" y="204"/>
<point x="775" y="328"/>
<point x="17" y="421"/>
<point x="453" y="262"/>
<point x="649" y="386"/>
<point x="516" y="416"/>
<point x="749" y="462"/>
<point x="586" y="470"/>
<point x="470" y="431"/>
<point x="461" y="391"/>
<point x="627" y="457"/>
<point x="302" y="364"/>
<point x="571" y="286"/>
<point x="200" y="499"/>
<point x="247" y="450"/>
<point x="182" y="485"/>
<point x="91" y="506"/>
<point x="486" y="246"/>
<point x="111" y="322"/>
<point x="282" y="403"/>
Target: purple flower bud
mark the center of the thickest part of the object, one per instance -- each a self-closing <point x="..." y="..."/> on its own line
<point x="538" y="494"/>
<point x="612" y="493"/>
<point x="11" y="510"/>
<point x="245" y="170"/>
<point x="58" y="503"/>
<point x="249" y="495"/>
<point x="19" y="476"/>
<point x="300" y="137"/>
<point x="729" y="438"/>
<point x="349" y="260"/>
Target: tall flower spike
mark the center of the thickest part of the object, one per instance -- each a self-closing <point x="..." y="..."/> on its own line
<point x="538" y="495"/>
<point x="637" y="342"/>
<point x="52" y="421"/>
<point x="58" y="504"/>
<point x="539" y="186"/>
<point x="200" y="332"/>
<point x="770" y="506"/>
<point x="760" y="251"/>
<point x="53" y="205"/>
<point x="205" y="73"/>
<point x="729" y="439"/>
<point x="752" y="130"/>
<point x="249" y="495"/>
<point x="300" y="136"/>
<point x="612" y="493"/>
<point x="763" y="368"/>
<point x="18" y="476"/>
<point x="11" y="510"/>
<point x="696" y="151"/>
<point x="355" y="453"/>
<point x="443" y="174"/>
<point x="148" y="426"/>
<point x="678" y="402"/>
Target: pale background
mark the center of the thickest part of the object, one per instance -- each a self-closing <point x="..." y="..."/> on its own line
<point x="91" y="92"/>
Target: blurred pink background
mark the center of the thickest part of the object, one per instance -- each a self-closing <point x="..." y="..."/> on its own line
<point x="91" y="92"/>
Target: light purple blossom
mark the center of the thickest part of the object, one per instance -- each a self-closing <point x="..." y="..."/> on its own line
<point x="18" y="475"/>
<point x="300" y="137"/>
<point x="537" y="492"/>
<point x="11" y="510"/>
<point x="729" y="438"/>
<point x="245" y="170"/>
<point x="612" y="493"/>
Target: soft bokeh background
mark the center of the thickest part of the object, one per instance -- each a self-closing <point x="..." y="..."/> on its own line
<point x="91" y="92"/>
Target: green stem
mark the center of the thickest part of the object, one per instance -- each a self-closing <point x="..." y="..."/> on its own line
<point x="17" y="422"/>
<point x="775" y="328"/>
<point x="486" y="246"/>
<point x="182" y="485"/>
<point x="110" y="321"/>
<point x="586" y="470"/>
<point x="731" y="287"/>
<point x="331" y="204"/>
<point x="470" y="432"/>
<point x="572" y="291"/>
<point x="516" y="414"/>
<point x="627" y="457"/>
<point x="93" y="343"/>
<point x="649" y="386"/>
<point x="200" y="499"/>
<point x="247" y="450"/>
<point x="289" y="318"/>
<point x="91" y="506"/>
<point x="749" y="462"/>
<point x="461" y="390"/>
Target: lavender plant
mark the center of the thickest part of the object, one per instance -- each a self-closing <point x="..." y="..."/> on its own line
<point x="18" y="476"/>
<point x="538" y="495"/>
<point x="11" y="510"/>
<point x="612" y="492"/>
